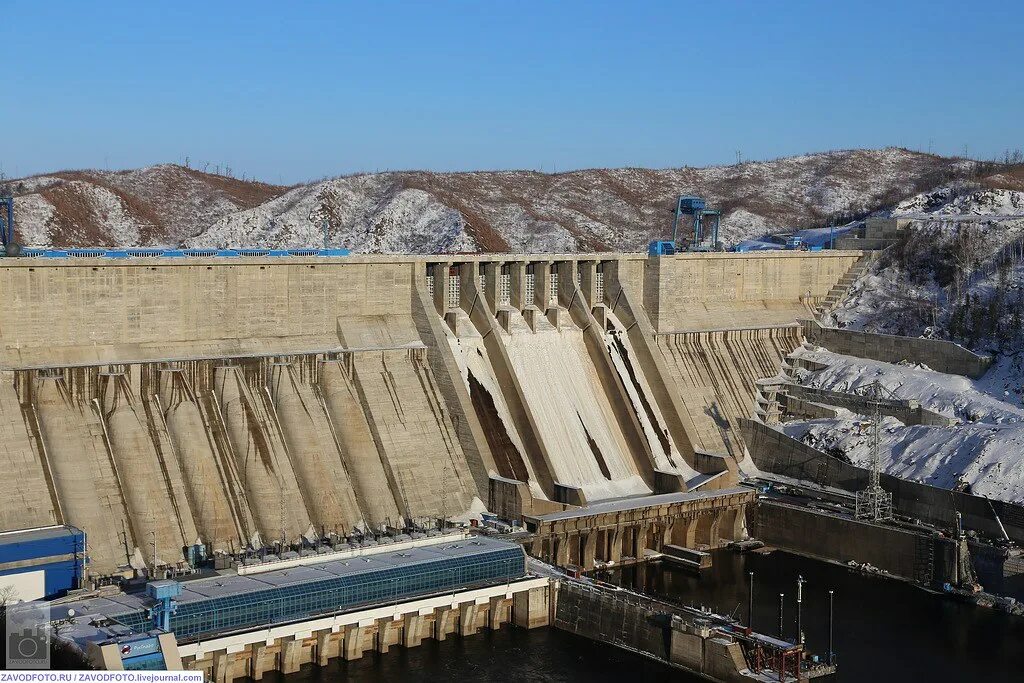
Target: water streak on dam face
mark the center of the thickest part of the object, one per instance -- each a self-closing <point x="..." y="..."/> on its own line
<point x="369" y="480"/>
<point x="313" y="452"/>
<point x="83" y="471"/>
<point x="210" y="477"/>
<point x="158" y="404"/>
<point x="148" y="478"/>
<point x="270" y="483"/>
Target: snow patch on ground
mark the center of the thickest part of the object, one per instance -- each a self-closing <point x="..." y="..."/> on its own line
<point x="995" y="398"/>
<point x="986" y="457"/>
<point x="984" y="450"/>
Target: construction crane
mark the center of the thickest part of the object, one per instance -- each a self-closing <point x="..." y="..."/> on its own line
<point x="702" y="237"/>
<point x="11" y="248"/>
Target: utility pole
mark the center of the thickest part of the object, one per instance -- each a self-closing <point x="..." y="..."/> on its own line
<point x="444" y="497"/>
<point x="782" y="598"/>
<point x="831" y="655"/>
<point x="750" y="603"/>
<point x="799" y="609"/>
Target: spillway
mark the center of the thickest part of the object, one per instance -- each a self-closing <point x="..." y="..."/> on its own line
<point x="270" y="484"/>
<point x="576" y="421"/>
<point x="313" y="452"/>
<point x="370" y="482"/>
<point x="665" y="451"/>
<point x="492" y="410"/>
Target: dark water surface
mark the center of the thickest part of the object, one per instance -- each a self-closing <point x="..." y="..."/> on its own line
<point x="884" y="631"/>
<point x="509" y="655"/>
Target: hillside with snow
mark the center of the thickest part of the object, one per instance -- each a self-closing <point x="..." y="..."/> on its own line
<point x="981" y="451"/>
<point x="419" y="212"/>
<point x="158" y="205"/>
<point x="962" y="281"/>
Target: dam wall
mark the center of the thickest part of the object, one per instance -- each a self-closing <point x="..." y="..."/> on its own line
<point x="160" y="403"/>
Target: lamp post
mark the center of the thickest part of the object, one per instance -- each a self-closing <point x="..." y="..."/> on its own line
<point x="799" y="609"/>
<point x="782" y="598"/>
<point x="750" y="603"/>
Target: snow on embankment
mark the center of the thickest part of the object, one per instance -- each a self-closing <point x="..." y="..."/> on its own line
<point x="984" y="451"/>
<point x="990" y="399"/>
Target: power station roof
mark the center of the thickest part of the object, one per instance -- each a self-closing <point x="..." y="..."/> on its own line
<point x="229" y="585"/>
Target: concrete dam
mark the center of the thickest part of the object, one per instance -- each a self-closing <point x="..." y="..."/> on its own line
<point x="161" y="404"/>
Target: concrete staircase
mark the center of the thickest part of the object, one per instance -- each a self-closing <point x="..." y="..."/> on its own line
<point x="842" y="288"/>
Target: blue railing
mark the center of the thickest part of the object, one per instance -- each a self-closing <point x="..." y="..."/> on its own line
<point x="178" y="253"/>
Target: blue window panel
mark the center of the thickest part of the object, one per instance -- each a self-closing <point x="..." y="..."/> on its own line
<point x="337" y="594"/>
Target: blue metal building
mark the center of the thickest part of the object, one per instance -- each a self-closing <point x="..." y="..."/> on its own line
<point x="42" y="563"/>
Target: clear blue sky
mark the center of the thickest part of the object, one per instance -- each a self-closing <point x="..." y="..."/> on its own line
<point x="291" y="91"/>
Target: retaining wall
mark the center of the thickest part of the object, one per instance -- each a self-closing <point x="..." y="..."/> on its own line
<point x="926" y="559"/>
<point x="937" y="354"/>
<point x="773" y="451"/>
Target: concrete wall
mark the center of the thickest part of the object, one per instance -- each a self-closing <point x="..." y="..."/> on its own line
<point x="937" y="354"/>
<point x="907" y="412"/>
<point x="236" y="400"/>
<point x="773" y="451"/>
<point x="926" y="559"/>
<point x="96" y="311"/>
<point x="689" y="292"/>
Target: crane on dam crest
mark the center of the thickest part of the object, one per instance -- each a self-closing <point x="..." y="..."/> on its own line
<point x="703" y="232"/>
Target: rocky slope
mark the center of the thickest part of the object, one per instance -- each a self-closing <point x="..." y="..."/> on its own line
<point x="601" y="209"/>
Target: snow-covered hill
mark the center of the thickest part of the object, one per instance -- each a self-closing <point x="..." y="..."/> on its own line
<point x="960" y="281"/>
<point x="157" y="205"/>
<point x="600" y="209"/>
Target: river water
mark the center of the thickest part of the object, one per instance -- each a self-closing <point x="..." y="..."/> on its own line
<point x="883" y="631"/>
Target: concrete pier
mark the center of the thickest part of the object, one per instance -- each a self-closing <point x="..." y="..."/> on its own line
<point x="287" y="648"/>
<point x="609" y="532"/>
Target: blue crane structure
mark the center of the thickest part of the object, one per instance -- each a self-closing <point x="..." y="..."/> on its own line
<point x="696" y="207"/>
<point x="702" y="237"/>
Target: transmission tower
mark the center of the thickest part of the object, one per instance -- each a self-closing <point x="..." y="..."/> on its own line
<point x="874" y="502"/>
